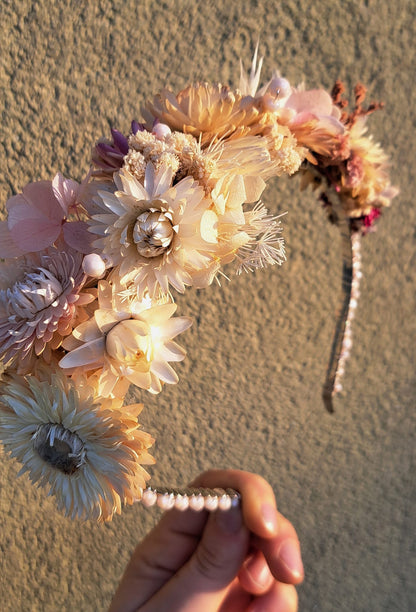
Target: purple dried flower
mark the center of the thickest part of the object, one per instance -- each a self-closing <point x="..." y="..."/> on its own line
<point x="108" y="156"/>
<point x="137" y="127"/>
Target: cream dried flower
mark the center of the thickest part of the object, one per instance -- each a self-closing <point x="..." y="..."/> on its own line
<point x="215" y="113"/>
<point x="235" y="169"/>
<point x="232" y="173"/>
<point x="365" y="180"/>
<point x="208" y="112"/>
<point x="155" y="234"/>
<point x="85" y="449"/>
<point x="39" y="296"/>
<point x="127" y="339"/>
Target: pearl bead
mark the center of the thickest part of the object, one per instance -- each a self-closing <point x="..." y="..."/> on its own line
<point x="181" y="502"/>
<point x="224" y="502"/>
<point x="347" y="344"/>
<point x="149" y="498"/>
<point x="93" y="265"/>
<point x="160" y="130"/>
<point x="166" y="501"/>
<point x="279" y="87"/>
<point x="235" y="501"/>
<point x="196" y="502"/>
<point x="211" y="503"/>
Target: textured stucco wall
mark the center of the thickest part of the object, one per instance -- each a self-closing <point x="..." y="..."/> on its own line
<point x="249" y="394"/>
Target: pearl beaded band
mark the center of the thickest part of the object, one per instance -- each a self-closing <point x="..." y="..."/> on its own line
<point x="196" y="499"/>
<point x="342" y="342"/>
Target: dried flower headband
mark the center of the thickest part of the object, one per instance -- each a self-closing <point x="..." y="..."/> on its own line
<point x="86" y="304"/>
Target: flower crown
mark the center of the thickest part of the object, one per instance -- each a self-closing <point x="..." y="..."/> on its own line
<point x="87" y="287"/>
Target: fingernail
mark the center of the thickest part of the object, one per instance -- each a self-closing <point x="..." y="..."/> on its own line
<point x="289" y="555"/>
<point x="229" y="521"/>
<point x="258" y="570"/>
<point x="269" y="516"/>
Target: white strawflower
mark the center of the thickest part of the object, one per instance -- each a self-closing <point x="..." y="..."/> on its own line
<point x="156" y="234"/>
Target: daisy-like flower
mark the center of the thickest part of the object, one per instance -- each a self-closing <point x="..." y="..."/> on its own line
<point x="155" y="234"/>
<point x="127" y="340"/>
<point x="232" y="173"/>
<point x="86" y="450"/>
<point x="208" y="112"/>
<point x="40" y="298"/>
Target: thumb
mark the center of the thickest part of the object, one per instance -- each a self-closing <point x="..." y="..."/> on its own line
<point x="202" y="583"/>
<point x="222" y="550"/>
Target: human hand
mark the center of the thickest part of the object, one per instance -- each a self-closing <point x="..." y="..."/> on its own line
<point x="246" y="559"/>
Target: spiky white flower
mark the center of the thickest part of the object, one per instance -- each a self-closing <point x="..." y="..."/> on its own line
<point x="266" y="246"/>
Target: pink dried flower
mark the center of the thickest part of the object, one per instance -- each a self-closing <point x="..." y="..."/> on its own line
<point x="314" y="120"/>
<point x="38" y="300"/>
<point x="38" y="217"/>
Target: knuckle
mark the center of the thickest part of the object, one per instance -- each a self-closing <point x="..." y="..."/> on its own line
<point x="207" y="563"/>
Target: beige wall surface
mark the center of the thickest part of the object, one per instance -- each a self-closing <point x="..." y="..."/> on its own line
<point x="249" y="394"/>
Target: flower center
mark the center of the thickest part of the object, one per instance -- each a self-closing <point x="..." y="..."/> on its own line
<point x="35" y="292"/>
<point x="61" y="448"/>
<point x="153" y="232"/>
<point x="129" y="343"/>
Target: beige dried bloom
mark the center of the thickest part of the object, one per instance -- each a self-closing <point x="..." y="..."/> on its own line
<point x="86" y="450"/>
